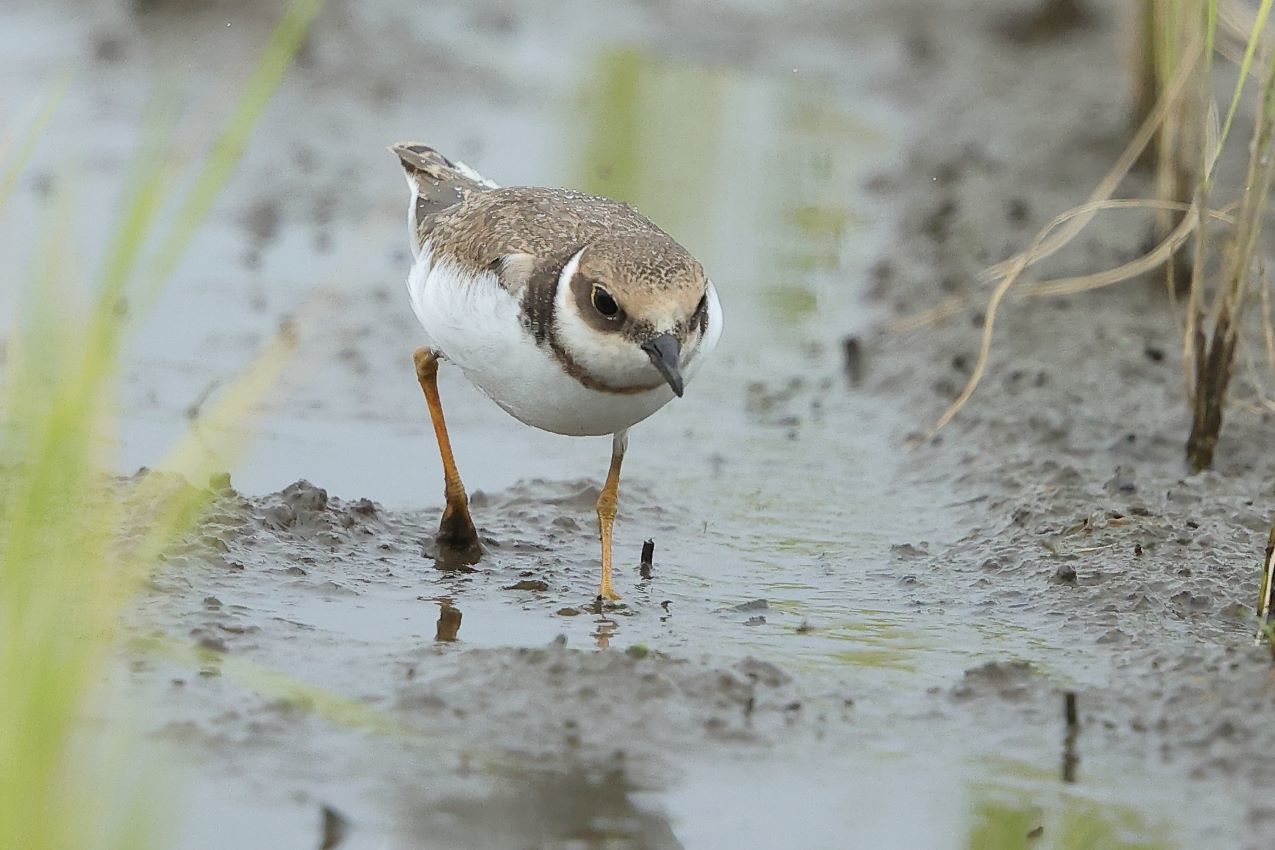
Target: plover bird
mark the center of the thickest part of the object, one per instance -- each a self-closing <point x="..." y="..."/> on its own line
<point x="571" y="311"/>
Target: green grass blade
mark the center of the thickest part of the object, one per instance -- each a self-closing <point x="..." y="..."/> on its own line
<point x="10" y="176"/>
<point x="203" y="450"/>
<point x="1254" y="38"/>
<point x="66" y="574"/>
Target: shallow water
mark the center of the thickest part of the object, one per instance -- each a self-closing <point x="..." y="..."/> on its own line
<point x="788" y="525"/>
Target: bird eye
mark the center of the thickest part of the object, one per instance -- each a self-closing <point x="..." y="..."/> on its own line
<point x="604" y="303"/>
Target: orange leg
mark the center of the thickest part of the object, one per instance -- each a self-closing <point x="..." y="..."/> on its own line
<point x="607" y="503"/>
<point x="456" y="530"/>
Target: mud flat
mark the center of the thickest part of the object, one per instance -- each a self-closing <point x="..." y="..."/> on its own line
<point x="844" y="641"/>
<point x="1080" y="515"/>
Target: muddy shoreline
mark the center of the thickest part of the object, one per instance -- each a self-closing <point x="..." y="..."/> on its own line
<point x="1069" y="460"/>
<point x="846" y="638"/>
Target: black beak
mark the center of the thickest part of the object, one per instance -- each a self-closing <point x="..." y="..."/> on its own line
<point x="664" y="352"/>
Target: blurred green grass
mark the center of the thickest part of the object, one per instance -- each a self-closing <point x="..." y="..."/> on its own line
<point x="75" y="545"/>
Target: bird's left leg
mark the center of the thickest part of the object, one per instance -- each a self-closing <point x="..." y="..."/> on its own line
<point x="607" y="502"/>
<point x="456" y="532"/>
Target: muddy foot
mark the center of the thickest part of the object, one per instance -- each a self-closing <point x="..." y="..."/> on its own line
<point x="457" y="541"/>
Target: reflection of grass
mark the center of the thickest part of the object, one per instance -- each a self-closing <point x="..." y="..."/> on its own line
<point x="612" y="164"/>
<point x="822" y="221"/>
<point x="881" y="641"/>
<point x="1037" y="815"/>
<point x="1074" y="825"/>
<point x="656" y="137"/>
<point x="791" y="303"/>
<point x="897" y="640"/>
<point x="691" y="145"/>
<point x="66" y="571"/>
<point x="881" y="657"/>
<point x="814" y="118"/>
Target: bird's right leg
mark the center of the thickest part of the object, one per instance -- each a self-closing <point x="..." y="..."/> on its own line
<point x="456" y="530"/>
<point x="607" y="502"/>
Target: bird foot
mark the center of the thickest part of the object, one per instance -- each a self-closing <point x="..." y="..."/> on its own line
<point x="457" y="540"/>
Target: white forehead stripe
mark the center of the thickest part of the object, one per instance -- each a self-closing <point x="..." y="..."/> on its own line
<point x="564" y="277"/>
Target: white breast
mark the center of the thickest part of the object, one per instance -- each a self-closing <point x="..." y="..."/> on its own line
<point x="477" y="324"/>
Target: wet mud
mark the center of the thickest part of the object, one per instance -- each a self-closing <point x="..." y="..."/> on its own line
<point x="1033" y="630"/>
<point x="1081" y="514"/>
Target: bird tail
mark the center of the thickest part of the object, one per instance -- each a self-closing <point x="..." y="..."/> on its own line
<point x="436" y="183"/>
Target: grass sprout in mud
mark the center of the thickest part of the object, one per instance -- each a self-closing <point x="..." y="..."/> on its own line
<point x="1175" y="42"/>
<point x="67" y="571"/>
<point x="1179" y="124"/>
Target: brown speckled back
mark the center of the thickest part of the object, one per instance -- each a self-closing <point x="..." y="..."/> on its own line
<point x="556" y="223"/>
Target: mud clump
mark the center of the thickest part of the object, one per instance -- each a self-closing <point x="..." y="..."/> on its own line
<point x="1065" y="574"/>
<point x="529" y="584"/>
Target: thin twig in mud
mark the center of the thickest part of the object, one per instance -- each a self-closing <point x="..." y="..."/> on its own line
<point x="852" y="360"/>
<point x="333" y="829"/>
<point x="1071" y="718"/>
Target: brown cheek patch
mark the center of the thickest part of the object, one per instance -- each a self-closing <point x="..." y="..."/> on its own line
<point x="538" y="317"/>
<point x="538" y="301"/>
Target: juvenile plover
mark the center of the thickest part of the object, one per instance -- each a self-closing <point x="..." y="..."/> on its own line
<point x="573" y="312"/>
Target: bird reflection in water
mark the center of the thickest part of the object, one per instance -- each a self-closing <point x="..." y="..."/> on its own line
<point x="605" y="629"/>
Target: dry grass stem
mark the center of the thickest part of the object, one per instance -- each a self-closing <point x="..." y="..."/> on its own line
<point x="1048" y="242"/>
<point x="1214" y="355"/>
<point x="1267" y="590"/>
<point x="1179" y="38"/>
<point x="954" y="304"/>
<point x="1107" y="186"/>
